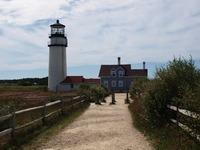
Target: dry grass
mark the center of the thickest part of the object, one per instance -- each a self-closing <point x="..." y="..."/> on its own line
<point x="23" y="97"/>
<point x="28" y="96"/>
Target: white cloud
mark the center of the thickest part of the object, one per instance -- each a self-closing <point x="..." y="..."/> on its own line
<point x="99" y="31"/>
<point x="23" y="12"/>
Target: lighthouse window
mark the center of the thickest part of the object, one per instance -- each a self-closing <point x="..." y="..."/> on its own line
<point x="60" y="30"/>
<point x="57" y="30"/>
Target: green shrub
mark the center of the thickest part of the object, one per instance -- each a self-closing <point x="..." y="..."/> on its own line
<point x="176" y="84"/>
<point x="137" y="87"/>
<point x="84" y="89"/>
<point x="93" y="93"/>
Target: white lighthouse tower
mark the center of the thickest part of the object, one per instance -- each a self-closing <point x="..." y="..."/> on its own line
<point x="57" y="56"/>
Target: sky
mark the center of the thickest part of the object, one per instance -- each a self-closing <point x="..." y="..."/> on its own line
<point x="98" y="31"/>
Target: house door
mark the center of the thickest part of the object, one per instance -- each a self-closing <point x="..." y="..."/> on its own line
<point x="72" y="86"/>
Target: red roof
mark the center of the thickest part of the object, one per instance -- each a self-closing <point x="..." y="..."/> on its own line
<point x="80" y="79"/>
<point x="105" y="70"/>
<point x="91" y="80"/>
<point x="73" y="79"/>
<point x="139" y="72"/>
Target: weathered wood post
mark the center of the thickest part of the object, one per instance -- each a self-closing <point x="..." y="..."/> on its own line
<point x="103" y="99"/>
<point x="83" y="99"/>
<point x="72" y="103"/>
<point x="177" y="116"/>
<point x="62" y="106"/>
<point x="113" y="98"/>
<point x="12" y="124"/>
<point x="97" y="99"/>
<point x="44" y="113"/>
<point x="127" y="98"/>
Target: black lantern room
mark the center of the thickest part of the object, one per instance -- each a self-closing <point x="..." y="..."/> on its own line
<point x="57" y="29"/>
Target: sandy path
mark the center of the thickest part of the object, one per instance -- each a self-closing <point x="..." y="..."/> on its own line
<point x="106" y="127"/>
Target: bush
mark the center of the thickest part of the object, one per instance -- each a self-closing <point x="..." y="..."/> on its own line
<point x="176" y="84"/>
<point x="99" y="92"/>
<point x="93" y="93"/>
<point x="84" y="89"/>
<point x="137" y="87"/>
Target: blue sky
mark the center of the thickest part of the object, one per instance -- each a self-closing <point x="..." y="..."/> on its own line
<point x="98" y="31"/>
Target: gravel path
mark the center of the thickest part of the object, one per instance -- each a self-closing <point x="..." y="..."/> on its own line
<point x="105" y="127"/>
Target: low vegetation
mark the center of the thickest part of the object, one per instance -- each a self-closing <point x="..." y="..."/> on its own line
<point x="95" y="93"/>
<point x="21" y="97"/>
<point x="25" y="81"/>
<point x="176" y="84"/>
<point x="38" y="135"/>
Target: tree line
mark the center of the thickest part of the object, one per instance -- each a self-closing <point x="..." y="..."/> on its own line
<point x="25" y="81"/>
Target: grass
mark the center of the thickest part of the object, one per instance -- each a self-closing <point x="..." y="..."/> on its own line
<point x="43" y="134"/>
<point x="168" y="137"/>
<point x="21" y="87"/>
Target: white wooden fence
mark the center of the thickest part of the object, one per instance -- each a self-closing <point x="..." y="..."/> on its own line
<point x="64" y="105"/>
<point x="181" y="125"/>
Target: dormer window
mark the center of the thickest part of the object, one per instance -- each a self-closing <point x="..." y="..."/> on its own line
<point x="121" y="73"/>
<point x="113" y="73"/>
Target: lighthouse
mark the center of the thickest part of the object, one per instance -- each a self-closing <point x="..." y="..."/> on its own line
<point x="57" y="56"/>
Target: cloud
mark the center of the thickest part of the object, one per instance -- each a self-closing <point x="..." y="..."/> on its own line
<point x="99" y="31"/>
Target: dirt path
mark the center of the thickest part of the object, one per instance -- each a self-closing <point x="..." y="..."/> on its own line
<point x="106" y="127"/>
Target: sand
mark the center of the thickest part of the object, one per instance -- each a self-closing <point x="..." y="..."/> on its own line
<point x="101" y="127"/>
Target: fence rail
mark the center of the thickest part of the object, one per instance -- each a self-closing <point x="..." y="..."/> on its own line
<point x="71" y="103"/>
<point x="181" y="125"/>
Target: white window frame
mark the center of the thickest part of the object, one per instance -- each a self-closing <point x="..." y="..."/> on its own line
<point x="121" y="73"/>
<point x="113" y="83"/>
<point x="105" y="82"/>
<point x="120" y="83"/>
<point x="113" y="73"/>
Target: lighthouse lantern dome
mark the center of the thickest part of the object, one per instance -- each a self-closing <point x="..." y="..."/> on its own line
<point x="57" y="29"/>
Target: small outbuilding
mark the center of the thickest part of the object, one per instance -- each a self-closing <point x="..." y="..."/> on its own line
<point x="71" y="83"/>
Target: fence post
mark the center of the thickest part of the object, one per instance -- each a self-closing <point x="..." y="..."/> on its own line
<point x="82" y="100"/>
<point x="177" y="119"/>
<point x="127" y="98"/>
<point x="113" y="98"/>
<point x="44" y="113"/>
<point x="12" y="124"/>
<point x="62" y="106"/>
<point x="72" y="107"/>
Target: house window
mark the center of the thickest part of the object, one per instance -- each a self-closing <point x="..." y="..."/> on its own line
<point x="113" y="83"/>
<point x="72" y="86"/>
<point x="120" y="83"/>
<point x="121" y="73"/>
<point x="105" y="83"/>
<point x="113" y="73"/>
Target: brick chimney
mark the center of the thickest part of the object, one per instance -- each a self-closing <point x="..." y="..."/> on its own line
<point x="143" y="65"/>
<point x="119" y="61"/>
